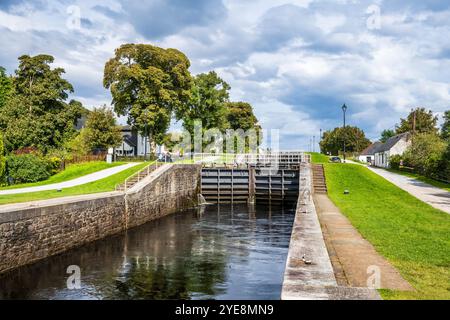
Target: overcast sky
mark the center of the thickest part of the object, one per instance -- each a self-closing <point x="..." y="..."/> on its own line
<point x="296" y="62"/>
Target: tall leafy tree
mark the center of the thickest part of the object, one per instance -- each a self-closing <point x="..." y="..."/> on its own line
<point x="5" y="86"/>
<point x="36" y="114"/>
<point x="149" y="85"/>
<point x="419" y="120"/>
<point x="240" y="116"/>
<point x="386" y="134"/>
<point x="445" y="129"/>
<point x="2" y="160"/>
<point x="101" y="130"/>
<point x="353" y="137"/>
<point x="209" y="95"/>
<point x="43" y="86"/>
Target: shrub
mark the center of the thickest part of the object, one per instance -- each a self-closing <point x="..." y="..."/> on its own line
<point x="27" y="168"/>
<point x="394" y="161"/>
<point x="54" y="164"/>
<point x="425" y="154"/>
<point x="77" y="145"/>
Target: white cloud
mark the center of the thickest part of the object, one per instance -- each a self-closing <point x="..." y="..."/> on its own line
<point x="295" y="61"/>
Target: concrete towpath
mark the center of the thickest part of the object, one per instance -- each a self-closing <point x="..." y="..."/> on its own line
<point x="355" y="261"/>
<point x="73" y="183"/>
<point x="435" y="197"/>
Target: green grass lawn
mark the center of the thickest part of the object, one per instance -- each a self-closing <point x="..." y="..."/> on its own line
<point x="71" y="172"/>
<point x="412" y="235"/>
<point x="438" y="184"/>
<point x="319" y="157"/>
<point x="103" y="185"/>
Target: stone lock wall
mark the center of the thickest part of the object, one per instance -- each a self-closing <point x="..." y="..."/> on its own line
<point x="175" y="189"/>
<point x="31" y="234"/>
<point x="33" y="231"/>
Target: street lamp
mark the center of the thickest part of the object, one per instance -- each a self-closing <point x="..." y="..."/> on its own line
<point x="344" y="110"/>
<point x="320" y="140"/>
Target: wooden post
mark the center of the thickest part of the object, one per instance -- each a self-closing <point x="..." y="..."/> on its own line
<point x="251" y="184"/>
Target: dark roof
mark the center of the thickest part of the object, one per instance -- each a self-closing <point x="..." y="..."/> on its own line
<point x="392" y="142"/>
<point x="370" y="150"/>
<point x="130" y="141"/>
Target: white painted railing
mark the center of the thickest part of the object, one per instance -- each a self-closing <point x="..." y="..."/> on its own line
<point x="138" y="176"/>
<point x="291" y="157"/>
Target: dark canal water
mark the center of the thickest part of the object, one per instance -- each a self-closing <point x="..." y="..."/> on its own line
<point x="221" y="252"/>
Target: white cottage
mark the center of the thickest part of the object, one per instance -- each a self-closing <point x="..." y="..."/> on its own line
<point x="396" y="145"/>
<point x="368" y="154"/>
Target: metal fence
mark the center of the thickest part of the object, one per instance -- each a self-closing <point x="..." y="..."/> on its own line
<point x="285" y="158"/>
<point x="138" y="176"/>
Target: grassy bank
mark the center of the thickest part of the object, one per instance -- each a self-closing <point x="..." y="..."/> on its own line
<point x="71" y="172"/>
<point x="319" y="157"/>
<point x="103" y="185"/>
<point x="412" y="235"/>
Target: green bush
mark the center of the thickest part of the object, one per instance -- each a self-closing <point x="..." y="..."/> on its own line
<point x="425" y="154"/>
<point x="27" y="168"/>
<point x="54" y="164"/>
<point x="394" y="161"/>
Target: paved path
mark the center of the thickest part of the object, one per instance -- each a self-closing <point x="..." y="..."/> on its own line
<point x="354" y="259"/>
<point x="436" y="197"/>
<point x="72" y="183"/>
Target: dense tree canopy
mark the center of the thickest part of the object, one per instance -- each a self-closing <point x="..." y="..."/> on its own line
<point x="333" y="141"/>
<point x="240" y="116"/>
<point x="386" y="134"/>
<point x="5" y="86"/>
<point x="2" y="160"/>
<point x="209" y="94"/>
<point x="425" y="153"/>
<point x="445" y="129"/>
<point x="101" y="130"/>
<point x="419" y="120"/>
<point x="149" y="85"/>
<point x="36" y="114"/>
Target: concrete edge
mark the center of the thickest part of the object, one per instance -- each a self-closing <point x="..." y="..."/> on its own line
<point x="151" y="177"/>
<point x="308" y="271"/>
<point x="154" y="175"/>
<point x="11" y="207"/>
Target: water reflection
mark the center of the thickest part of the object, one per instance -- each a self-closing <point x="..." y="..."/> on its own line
<point x="218" y="252"/>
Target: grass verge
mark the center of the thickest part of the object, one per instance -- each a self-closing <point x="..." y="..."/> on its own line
<point x="71" y="172"/>
<point x="319" y="157"/>
<point x="412" y="235"/>
<point x="103" y="185"/>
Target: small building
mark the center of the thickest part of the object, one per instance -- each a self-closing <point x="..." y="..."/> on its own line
<point x="134" y="144"/>
<point x="368" y="154"/>
<point x="396" y="145"/>
<point x="128" y="147"/>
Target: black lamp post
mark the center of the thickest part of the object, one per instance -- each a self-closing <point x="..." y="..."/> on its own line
<point x="344" y="110"/>
<point x="320" y="140"/>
